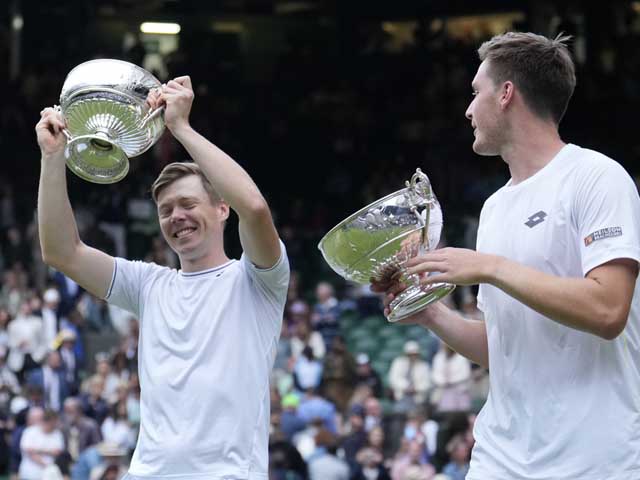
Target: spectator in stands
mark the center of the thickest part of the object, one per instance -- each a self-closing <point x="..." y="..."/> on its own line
<point x="303" y="333"/>
<point x="366" y="375"/>
<point x="413" y="460"/>
<point x="451" y="378"/>
<point x="355" y="437"/>
<point x="313" y="406"/>
<point x="324" y="463"/>
<point x="307" y="371"/>
<point x="9" y="386"/>
<point x="49" y="312"/>
<point x="79" y="430"/>
<point x="110" y="379"/>
<point x="459" y="452"/>
<point x="409" y="378"/>
<point x="373" y="413"/>
<point x="94" y="404"/>
<point x="51" y="379"/>
<point x="5" y="318"/>
<point x="40" y="444"/>
<point x="66" y="340"/>
<point x="26" y="341"/>
<point x="326" y="311"/>
<point x="290" y="421"/>
<point x="339" y="374"/>
<point x="370" y="465"/>
<point x="116" y="428"/>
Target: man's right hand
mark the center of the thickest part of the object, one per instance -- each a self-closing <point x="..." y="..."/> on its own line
<point x="51" y="138"/>
<point x="391" y="290"/>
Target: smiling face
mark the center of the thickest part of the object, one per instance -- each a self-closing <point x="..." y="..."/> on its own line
<point x="487" y="119"/>
<point x="191" y="223"/>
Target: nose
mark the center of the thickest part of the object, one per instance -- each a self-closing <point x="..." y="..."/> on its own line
<point x="177" y="215"/>
<point x="468" y="113"/>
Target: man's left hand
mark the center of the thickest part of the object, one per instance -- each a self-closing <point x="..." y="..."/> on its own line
<point x="177" y="96"/>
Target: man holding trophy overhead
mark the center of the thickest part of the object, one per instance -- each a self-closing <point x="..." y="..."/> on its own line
<point x="557" y="263"/>
<point x="207" y="331"/>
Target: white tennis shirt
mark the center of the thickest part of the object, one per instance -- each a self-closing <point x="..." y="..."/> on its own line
<point x="563" y="404"/>
<point x="207" y="344"/>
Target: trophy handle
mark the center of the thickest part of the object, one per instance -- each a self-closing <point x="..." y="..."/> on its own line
<point x="151" y="115"/>
<point x="420" y="193"/>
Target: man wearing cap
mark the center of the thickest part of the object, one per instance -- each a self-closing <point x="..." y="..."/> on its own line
<point x="409" y="377"/>
<point x="366" y="375"/>
<point x="50" y="302"/>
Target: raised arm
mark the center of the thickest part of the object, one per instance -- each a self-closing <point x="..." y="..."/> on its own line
<point x="61" y="245"/>
<point x="258" y="235"/>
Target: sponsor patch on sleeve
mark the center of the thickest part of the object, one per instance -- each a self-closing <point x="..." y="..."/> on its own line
<point x="601" y="234"/>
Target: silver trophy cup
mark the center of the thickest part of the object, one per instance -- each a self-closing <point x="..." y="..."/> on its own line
<point x="375" y="242"/>
<point x="108" y="118"/>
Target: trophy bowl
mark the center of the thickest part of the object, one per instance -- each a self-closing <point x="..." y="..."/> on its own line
<point x="108" y="118"/>
<point x="376" y="241"/>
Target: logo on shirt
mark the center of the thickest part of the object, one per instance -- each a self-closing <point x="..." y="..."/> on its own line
<point x="536" y="219"/>
<point x="604" y="233"/>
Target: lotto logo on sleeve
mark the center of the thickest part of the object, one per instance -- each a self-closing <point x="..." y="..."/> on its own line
<point x="601" y="234"/>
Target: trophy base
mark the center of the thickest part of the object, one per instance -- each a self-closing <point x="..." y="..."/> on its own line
<point x="417" y="298"/>
<point x="96" y="159"/>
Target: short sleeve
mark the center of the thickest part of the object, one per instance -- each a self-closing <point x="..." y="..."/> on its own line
<point x="126" y="285"/>
<point x="607" y="216"/>
<point x="273" y="282"/>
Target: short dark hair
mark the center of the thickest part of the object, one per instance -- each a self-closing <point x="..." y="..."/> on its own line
<point x="541" y="68"/>
<point x="176" y="170"/>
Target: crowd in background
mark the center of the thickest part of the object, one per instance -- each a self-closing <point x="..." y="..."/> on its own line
<point x="69" y="410"/>
<point x="329" y="130"/>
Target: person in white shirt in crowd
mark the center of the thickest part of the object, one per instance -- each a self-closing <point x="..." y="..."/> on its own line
<point x="27" y="342"/>
<point x="208" y="331"/>
<point x="116" y="428"/>
<point x="409" y="377"/>
<point x="451" y="379"/>
<point x="40" y="444"/>
<point x="557" y="262"/>
<point x="303" y="334"/>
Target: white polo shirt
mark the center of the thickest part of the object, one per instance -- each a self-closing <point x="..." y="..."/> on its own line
<point x="563" y="404"/>
<point x="207" y="344"/>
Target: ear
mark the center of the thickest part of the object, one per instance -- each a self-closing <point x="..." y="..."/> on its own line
<point x="507" y="94"/>
<point x="223" y="210"/>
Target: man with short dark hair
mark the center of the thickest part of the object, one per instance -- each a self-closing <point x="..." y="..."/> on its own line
<point x="557" y="262"/>
<point x="208" y="332"/>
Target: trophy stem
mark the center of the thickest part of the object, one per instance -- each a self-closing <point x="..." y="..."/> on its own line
<point x="416" y="298"/>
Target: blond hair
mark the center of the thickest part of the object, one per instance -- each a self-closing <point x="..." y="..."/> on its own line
<point x="177" y="170"/>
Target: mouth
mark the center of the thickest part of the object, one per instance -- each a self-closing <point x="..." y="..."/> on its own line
<point x="184" y="232"/>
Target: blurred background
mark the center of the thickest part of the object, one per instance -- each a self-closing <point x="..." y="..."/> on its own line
<point x="329" y="105"/>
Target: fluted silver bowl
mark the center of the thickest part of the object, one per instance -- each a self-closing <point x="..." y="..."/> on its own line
<point x="108" y="118"/>
<point x="376" y="241"/>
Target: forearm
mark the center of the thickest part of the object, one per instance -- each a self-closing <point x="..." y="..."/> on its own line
<point x="56" y="223"/>
<point x="227" y="177"/>
<point x="579" y="303"/>
<point x="467" y="337"/>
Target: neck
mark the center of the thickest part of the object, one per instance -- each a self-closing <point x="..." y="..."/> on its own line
<point x="531" y="150"/>
<point x="213" y="259"/>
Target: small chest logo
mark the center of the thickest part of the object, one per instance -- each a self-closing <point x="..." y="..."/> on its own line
<point x="601" y="234"/>
<point x="536" y="219"/>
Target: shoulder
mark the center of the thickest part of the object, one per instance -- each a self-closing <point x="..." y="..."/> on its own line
<point x="590" y="166"/>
